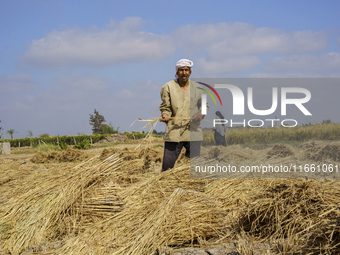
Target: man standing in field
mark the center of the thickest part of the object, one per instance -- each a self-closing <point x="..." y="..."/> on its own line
<point x="181" y="111"/>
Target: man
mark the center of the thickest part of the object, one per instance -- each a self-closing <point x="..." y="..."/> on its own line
<point x="181" y="111"/>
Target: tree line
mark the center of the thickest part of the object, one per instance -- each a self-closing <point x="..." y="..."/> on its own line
<point x="9" y="132"/>
<point x="96" y="121"/>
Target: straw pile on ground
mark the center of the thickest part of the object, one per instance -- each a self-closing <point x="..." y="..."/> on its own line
<point x="68" y="155"/>
<point x="42" y="211"/>
<point x="172" y="210"/>
<point x="114" y="138"/>
<point x="99" y="207"/>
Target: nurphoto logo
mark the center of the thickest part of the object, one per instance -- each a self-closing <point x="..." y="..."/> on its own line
<point x="239" y="104"/>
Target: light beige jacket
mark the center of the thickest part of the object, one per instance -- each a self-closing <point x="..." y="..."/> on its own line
<point x="177" y="104"/>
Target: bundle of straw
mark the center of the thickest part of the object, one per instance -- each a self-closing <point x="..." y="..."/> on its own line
<point x="305" y="213"/>
<point x="142" y="228"/>
<point x="44" y="208"/>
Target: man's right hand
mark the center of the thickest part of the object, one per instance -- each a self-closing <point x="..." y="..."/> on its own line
<point x="165" y="118"/>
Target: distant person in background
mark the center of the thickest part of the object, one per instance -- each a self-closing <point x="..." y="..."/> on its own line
<point x="220" y="131"/>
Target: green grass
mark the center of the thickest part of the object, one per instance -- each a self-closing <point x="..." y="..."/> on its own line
<point x="104" y="145"/>
<point x="23" y="151"/>
<point x="40" y="148"/>
<point x="47" y="147"/>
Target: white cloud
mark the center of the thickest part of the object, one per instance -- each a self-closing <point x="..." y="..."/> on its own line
<point x="18" y="83"/>
<point x="229" y="65"/>
<point x="223" y="47"/>
<point x="234" y="47"/>
<point x="124" y="41"/>
<point x="145" y="87"/>
<point x="64" y="92"/>
<point x="288" y="75"/>
<point x="140" y="91"/>
<point x="125" y="94"/>
<point x="119" y="42"/>
<point x="326" y="63"/>
<point x="80" y="82"/>
<point x="232" y="39"/>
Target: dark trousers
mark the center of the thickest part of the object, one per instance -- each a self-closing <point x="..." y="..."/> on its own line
<point x="173" y="149"/>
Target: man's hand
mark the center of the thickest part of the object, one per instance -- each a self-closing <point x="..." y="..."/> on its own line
<point x="198" y="116"/>
<point x="165" y="118"/>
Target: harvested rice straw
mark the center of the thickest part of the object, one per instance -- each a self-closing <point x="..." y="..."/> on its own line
<point x="142" y="228"/>
<point x="153" y="122"/>
<point x="295" y="210"/>
<point x="42" y="209"/>
<point x="170" y="209"/>
<point x="141" y="200"/>
<point x="157" y="119"/>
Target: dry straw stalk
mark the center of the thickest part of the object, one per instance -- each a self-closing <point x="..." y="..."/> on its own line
<point x="44" y="208"/>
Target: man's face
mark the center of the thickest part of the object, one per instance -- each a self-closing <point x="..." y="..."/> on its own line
<point x="183" y="73"/>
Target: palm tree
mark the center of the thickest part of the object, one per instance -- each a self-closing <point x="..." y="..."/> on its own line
<point x="11" y="132"/>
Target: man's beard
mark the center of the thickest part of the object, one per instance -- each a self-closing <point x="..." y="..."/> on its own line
<point x="184" y="77"/>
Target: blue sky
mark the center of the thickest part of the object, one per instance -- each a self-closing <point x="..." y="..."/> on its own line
<point x="61" y="59"/>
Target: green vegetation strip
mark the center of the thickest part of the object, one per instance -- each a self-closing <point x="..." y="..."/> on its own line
<point x="68" y="139"/>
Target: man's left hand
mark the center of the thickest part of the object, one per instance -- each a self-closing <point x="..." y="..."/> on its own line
<point x="198" y="116"/>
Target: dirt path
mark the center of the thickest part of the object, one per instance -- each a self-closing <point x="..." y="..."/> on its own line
<point x="16" y="156"/>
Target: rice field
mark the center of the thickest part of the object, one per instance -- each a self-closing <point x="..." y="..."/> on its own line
<point x="274" y="135"/>
<point x="116" y="201"/>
